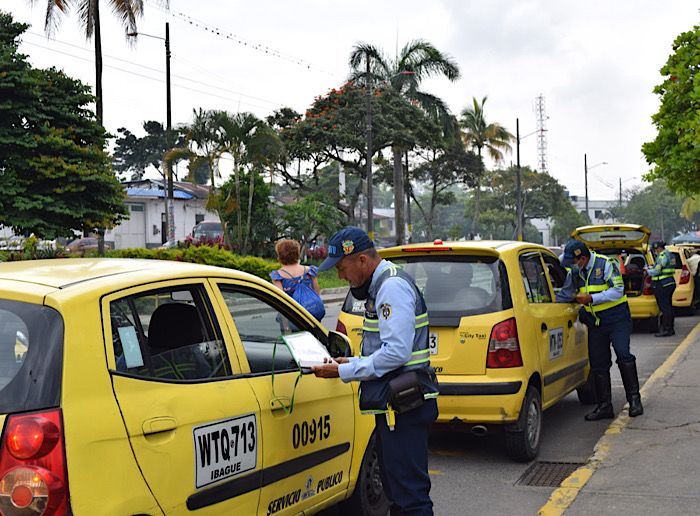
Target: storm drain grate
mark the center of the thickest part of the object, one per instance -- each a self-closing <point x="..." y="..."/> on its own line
<point x="547" y="474"/>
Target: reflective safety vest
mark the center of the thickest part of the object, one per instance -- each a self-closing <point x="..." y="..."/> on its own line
<point x="664" y="266"/>
<point x="420" y="353"/>
<point x="596" y="281"/>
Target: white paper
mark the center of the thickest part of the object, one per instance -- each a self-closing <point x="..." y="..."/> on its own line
<point x="306" y="349"/>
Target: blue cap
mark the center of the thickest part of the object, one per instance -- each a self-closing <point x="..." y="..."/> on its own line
<point x="574" y="249"/>
<point x="346" y="242"/>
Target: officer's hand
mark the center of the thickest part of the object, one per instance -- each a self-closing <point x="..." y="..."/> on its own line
<point x="342" y="360"/>
<point x="326" y="370"/>
<point x="584" y="299"/>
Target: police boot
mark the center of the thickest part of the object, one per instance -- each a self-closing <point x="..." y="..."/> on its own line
<point x="604" y="410"/>
<point x="666" y="326"/>
<point x="628" y="371"/>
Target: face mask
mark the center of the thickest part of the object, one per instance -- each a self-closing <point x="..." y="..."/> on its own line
<point x="574" y="269"/>
<point x="361" y="292"/>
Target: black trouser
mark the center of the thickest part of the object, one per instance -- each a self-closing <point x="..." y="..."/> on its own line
<point x="663" y="291"/>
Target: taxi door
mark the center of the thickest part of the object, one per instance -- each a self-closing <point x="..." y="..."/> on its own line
<point x="193" y="421"/>
<point x="562" y="352"/>
<point x="307" y="423"/>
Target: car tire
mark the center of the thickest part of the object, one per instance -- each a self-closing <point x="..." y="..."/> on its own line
<point x="586" y="392"/>
<point x="523" y="441"/>
<point x="369" y="498"/>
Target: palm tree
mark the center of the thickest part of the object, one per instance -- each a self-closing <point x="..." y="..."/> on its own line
<point x="417" y="61"/>
<point x="479" y="135"/>
<point x="89" y="11"/>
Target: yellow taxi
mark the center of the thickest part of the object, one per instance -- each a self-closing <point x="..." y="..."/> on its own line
<point x="151" y="388"/>
<point x="502" y="348"/>
<point x="630" y="244"/>
<point x="686" y="296"/>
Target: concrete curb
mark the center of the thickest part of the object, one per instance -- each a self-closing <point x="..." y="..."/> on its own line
<point x="562" y="497"/>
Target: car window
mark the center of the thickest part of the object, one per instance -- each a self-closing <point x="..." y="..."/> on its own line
<point x="454" y="286"/>
<point x="557" y="273"/>
<point x="534" y="279"/>
<point x="261" y="322"/>
<point x="676" y="260"/>
<point x="31" y="350"/>
<point x="168" y="334"/>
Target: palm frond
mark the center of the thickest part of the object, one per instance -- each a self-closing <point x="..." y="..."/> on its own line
<point x="55" y="9"/>
<point x="422" y="58"/>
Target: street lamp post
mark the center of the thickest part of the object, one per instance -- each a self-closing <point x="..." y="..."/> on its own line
<point x="586" y="168"/>
<point x="519" y="224"/>
<point x="169" y="203"/>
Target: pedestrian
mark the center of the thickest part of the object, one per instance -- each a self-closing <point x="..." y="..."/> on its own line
<point x="298" y="281"/>
<point x="595" y="282"/>
<point x="692" y="262"/>
<point x="664" y="285"/>
<point x="397" y="384"/>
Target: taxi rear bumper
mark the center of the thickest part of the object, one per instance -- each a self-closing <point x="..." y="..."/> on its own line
<point x="493" y="402"/>
<point x="643" y="307"/>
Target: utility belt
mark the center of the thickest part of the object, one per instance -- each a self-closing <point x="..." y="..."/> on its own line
<point x="399" y="391"/>
<point x="663" y="282"/>
<point x="603" y="317"/>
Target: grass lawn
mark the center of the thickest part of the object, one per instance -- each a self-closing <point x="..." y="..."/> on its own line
<point x="329" y="279"/>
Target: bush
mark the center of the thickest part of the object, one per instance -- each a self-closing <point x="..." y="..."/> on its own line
<point x="204" y="255"/>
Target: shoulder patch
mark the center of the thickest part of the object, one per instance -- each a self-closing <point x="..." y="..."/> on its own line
<point x="385" y="311"/>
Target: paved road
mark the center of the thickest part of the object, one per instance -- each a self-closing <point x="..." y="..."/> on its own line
<point x="473" y="475"/>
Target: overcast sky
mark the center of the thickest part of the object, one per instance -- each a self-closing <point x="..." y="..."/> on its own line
<point x="595" y="62"/>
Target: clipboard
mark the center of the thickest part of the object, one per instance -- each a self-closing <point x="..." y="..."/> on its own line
<point x="306" y="349"/>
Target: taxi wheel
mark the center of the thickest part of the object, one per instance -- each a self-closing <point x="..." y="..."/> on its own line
<point x="523" y="442"/>
<point x="369" y="498"/>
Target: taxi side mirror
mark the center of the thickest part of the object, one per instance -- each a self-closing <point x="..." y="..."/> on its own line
<point x="338" y="344"/>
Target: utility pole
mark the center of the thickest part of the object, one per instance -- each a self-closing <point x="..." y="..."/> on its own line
<point x="168" y="100"/>
<point x="370" y="211"/>
<point x="518" y="187"/>
<point x="585" y="178"/>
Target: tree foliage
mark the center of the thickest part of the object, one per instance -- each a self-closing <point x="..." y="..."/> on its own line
<point x="55" y="176"/>
<point x="658" y="208"/>
<point x="133" y="154"/>
<point x="675" y="152"/>
<point x="310" y="217"/>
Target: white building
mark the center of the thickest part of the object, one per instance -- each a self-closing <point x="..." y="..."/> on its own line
<point x="145" y="201"/>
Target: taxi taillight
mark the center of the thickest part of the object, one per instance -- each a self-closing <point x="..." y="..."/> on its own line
<point x="647" y="290"/>
<point x="33" y="477"/>
<point x="504" y="348"/>
<point x="340" y="328"/>
<point x="685" y="275"/>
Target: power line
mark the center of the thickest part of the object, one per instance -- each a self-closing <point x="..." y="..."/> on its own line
<point x="275" y="103"/>
<point x="260" y="47"/>
<point x="179" y="86"/>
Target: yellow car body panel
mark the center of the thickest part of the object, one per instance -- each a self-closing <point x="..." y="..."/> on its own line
<point x="684" y="295"/>
<point x="459" y="351"/>
<point x="129" y="443"/>
<point x="605" y="238"/>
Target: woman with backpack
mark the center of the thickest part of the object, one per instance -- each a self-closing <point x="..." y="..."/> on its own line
<point x="298" y="281"/>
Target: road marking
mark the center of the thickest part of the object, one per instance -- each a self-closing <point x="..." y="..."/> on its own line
<point x="562" y="497"/>
<point x="435" y="472"/>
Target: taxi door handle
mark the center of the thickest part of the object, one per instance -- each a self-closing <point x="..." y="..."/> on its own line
<point x="280" y="403"/>
<point x="543" y="327"/>
<point x="158" y="424"/>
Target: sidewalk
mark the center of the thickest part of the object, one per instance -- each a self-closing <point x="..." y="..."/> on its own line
<point x="649" y="464"/>
<point x="333" y="295"/>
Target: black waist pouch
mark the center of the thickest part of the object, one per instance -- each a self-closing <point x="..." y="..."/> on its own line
<point x="406" y="392"/>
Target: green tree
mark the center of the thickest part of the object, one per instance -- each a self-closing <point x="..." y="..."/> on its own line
<point x="479" y="134"/>
<point x="310" y="217"/>
<point x="55" y="176"/>
<point x="658" y="208"/>
<point x="565" y="221"/>
<point x="133" y="154"/>
<point x="675" y="153"/>
<point x="417" y="61"/>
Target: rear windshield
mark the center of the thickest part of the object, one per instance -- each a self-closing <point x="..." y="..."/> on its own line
<point x="31" y="349"/>
<point x="611" y="234"/>
<point x="208" y="229"/>
<point x="454" y="286"/>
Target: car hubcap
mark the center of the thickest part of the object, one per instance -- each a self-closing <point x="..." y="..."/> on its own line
<point x="533" y="424"/>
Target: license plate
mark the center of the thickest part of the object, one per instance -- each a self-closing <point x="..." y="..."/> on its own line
<point x="225" y="449"/>
<point x="433" y="343"/>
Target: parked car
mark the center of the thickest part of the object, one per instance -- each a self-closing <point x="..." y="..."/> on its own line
<point x="208" y="229"/>
<point x="632" y="242"/>
<point x="84" y="244"/>
<point x="150" y="387"/>
<point x="686" y="296"/>
<point x="502" y="348"/>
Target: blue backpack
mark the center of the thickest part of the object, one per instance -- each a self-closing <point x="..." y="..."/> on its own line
<point x="308" y="298"/>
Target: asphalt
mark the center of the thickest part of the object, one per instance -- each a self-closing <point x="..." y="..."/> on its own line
<point x="649" y="464"/>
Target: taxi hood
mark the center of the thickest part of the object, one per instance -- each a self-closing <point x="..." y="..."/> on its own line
<point x="605" y="236"/>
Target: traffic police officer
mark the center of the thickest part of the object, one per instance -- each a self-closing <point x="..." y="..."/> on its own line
<point x="595" y="282"/>
<point x="664" y="286"/>
<point x="394" y="352"/>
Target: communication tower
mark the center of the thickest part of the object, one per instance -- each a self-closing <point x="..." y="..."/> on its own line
<point x="541" y="116"/>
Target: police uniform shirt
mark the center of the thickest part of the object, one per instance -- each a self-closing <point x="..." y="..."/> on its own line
<point x="396" y="310"/>
<point x="568" y="292"/>
<point x="663" y="261"/>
